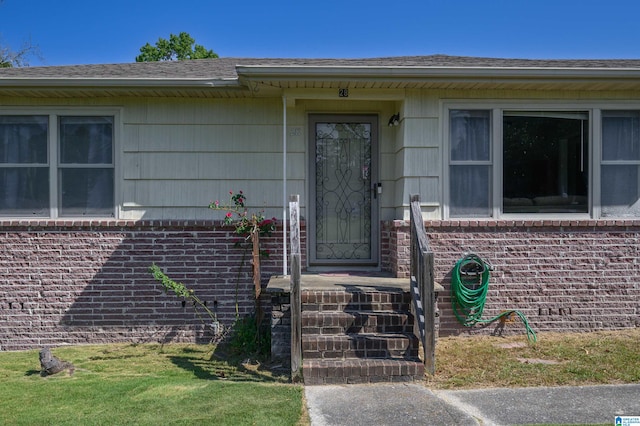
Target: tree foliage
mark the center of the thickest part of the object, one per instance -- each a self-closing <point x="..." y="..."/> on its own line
<point x="179" y="47"/>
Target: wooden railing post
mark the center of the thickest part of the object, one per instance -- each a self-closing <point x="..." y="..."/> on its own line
<point x="257" y="277"/>
<point x="428" y="301"/>
<point x="296" y="300"/>
<point x="422" y="284"/>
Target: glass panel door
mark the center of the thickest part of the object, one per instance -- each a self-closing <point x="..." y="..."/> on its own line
<point x="344" y="224"/>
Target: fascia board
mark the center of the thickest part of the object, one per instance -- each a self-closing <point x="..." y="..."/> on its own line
<point x="115" y="82"/>
<point x="413" y="73"/>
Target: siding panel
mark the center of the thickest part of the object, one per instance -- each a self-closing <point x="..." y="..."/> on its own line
<point x="421" y="132"/>
<point x="421" y="161"/>
<point x="178" y="154"/>
<point x="207" y="138"/>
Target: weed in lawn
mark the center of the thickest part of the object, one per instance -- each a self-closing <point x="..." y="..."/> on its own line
<point x="249" y="341"/>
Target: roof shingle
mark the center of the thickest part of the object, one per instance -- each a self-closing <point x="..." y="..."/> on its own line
<point x="225" y="68"/>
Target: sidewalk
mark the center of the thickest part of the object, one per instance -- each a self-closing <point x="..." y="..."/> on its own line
<point x="414" y="404"/>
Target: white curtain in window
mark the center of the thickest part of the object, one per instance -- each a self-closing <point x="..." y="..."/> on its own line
<point x="620" y="193"/>
<point x="470" y="168"/>
<point x="23" y="166"/>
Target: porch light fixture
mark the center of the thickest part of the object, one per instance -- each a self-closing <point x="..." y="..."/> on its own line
<point x="394" y="120"/>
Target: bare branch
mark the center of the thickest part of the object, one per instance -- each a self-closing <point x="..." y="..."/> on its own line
<point x="20" y="57"/>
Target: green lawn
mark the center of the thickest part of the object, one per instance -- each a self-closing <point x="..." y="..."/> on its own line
<point x="194" y="384"/>
<point x="144" y="384"/>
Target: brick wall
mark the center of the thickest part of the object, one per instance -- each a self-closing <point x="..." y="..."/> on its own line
<point x="563" y="275"/>
<point x="87" y="282"/>
<point x="281" y="326"/>
<point x="68" y="283"/>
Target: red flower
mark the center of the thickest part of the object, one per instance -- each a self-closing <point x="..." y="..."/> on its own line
<point x="229" y="214"/>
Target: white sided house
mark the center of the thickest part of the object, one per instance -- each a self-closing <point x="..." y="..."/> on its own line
<point x="105" y="169"/>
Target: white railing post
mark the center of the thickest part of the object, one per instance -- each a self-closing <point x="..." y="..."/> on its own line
<point x="295" y="296"/>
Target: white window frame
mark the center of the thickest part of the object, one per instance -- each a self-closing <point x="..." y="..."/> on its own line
<point x="53" y="164"/>
<point x="497" y="107"/>
<point x="627" y="162"/>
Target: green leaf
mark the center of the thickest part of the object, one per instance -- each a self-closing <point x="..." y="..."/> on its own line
<point x="178" y="47"/>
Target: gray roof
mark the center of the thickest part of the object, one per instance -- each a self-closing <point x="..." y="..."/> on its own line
<point x="226" y="68"/>
<point x="242" y="77"/>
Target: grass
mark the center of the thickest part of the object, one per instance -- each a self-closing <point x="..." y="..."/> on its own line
<point x="557" y="359"/>
<point x="144" y="384"/>
<point x="186" y="384"/>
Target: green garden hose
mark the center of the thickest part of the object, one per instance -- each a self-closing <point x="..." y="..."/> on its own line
<point x="469" y="287"/>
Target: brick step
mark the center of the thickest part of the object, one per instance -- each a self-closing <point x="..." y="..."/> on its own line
<point x="358" y="335"/>
<point x="340" y="322"/>
<point x="326" y="372"/>
<point x="324" y="300"/>
<point x="360" y="345"/>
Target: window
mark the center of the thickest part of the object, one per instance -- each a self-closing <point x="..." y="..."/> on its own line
<point x="24" y="171"/>
<point x="545" y="166"/>
<point x="620" y="164"/>
<point x="511" y="161"/>
<point x="542" y="164"/>
<point x="86" y="166"/>
<point x="470" y="167"/>
<point x="56" y="166"/>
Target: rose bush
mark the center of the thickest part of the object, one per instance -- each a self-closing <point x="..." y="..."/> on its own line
<point x="239" y="217"/>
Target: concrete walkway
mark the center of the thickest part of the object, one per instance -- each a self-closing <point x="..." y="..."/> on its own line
<point x="414" y="404"/>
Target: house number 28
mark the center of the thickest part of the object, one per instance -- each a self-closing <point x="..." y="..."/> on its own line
<point x="343" y="93"/>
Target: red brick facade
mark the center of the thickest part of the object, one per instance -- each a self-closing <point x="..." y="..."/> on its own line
<point x="66" y="282"/>
<point x="563" y="275"/>
<point x="88" y="282"/>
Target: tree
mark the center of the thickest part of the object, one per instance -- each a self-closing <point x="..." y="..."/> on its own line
<point x="17" y="58"/>
<point x="179" y="47"/>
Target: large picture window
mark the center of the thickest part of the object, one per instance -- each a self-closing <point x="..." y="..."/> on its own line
<point x="541" y="166"/>
<point x="56" y="166"/>
<point x="545" y="162"/>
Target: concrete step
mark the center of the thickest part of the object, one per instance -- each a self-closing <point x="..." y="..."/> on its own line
<point x="359" y="345"/>
<point x="340" y="322"/>
<point x="326" y="372"/>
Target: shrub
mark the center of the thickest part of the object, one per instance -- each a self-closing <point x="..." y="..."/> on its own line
<point x="249" y="340"/>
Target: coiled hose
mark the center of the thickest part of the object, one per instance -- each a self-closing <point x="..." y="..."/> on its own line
<point x="469" y="287"/>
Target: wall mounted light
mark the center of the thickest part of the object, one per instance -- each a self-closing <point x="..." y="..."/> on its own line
<point x="394" y="120"/>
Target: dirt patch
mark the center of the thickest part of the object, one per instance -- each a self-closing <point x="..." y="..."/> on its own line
<point x="511" y="345"/>
<point x="538" y="361"/>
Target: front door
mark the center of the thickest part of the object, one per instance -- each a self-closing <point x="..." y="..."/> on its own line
<point x="343" y="220"/>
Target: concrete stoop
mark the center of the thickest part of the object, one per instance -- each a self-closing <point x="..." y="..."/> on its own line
<point x="358" y="335"/>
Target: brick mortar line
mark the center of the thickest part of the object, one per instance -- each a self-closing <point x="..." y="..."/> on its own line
<point x="596" y="224"/>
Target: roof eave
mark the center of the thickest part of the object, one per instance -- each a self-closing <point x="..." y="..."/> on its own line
<point x="442" y="76"/>
<point x="156" y="83"/>
<point x="263" y="71"/>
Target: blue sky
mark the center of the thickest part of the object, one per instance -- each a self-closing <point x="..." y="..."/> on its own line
<point x="89" y="31"/>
